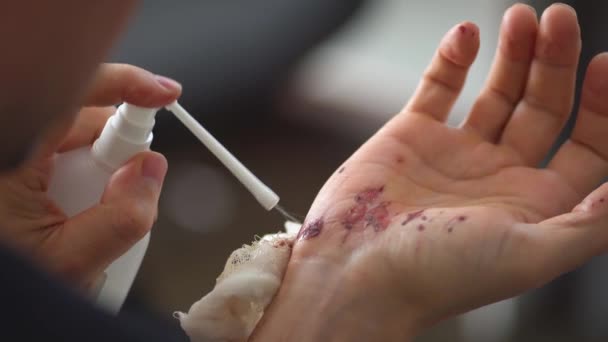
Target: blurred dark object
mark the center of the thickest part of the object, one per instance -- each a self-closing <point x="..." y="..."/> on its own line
<point x="229" y="55"/>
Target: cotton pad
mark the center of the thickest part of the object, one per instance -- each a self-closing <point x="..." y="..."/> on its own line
<point x="251" y="277"/>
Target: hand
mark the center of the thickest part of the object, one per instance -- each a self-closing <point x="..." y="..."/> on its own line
<point x="80" y="248"/>
<point x="426" y="221"/>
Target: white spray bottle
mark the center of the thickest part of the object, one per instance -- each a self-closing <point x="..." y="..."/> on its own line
<point x="80" y="177"/>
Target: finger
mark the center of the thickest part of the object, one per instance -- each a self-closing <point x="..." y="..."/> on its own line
<point x="583" y="159"/>
<point x="113" y="84"/>
<point x="116" y="83"/>
<point x="87" y="127"/>
<point x="125" y="214"/>
<point x="444" y="78"/>
<point x="547" y="99"/>
<point x="508" y="75"/>
<point x="65" y="136"/>
<point x="562" y="243"/>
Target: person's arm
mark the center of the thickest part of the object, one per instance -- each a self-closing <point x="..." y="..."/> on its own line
<point x="37" y="307"/>
<point x="318" y="302"/>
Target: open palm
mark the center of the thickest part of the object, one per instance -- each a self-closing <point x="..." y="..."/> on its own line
<point x="440" y="220"/>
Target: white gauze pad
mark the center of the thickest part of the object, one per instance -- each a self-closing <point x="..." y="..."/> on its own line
<point x="251" y="277"/>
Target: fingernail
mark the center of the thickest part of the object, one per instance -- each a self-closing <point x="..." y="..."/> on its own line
<point x="168" y="83"/>
<point x="154" y="167"/>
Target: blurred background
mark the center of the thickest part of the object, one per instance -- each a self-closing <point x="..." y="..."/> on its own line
<point x="292" y="88"/>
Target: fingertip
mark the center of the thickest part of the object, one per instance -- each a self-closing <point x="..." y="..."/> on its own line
<point x="560" y="7"/>
<point x="154" y="166"/>
<point x="150" y="90"/>
<point x="461" y="44"/>
<point x="560" y="35"/>
<point x="595" y="203"/>
<point x="520" y="9"/>
<point x="518" y="32"/>
<point x="468" y="28"/>
<point x="561" y="19"/>
<point x="116" y="83"/>
<point x="168" y="84"/>
<point x="141" y="177"/>
<point x="595" y="85"/>
<point x="133" y="194"/>
<point x="521" y="19"/>
<point x="171" y="88"/>
<point x="597" y="73"/>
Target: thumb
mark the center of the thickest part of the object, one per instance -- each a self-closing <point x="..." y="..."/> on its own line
<point x="567" y="241"/>
<point x="124" y="215"/>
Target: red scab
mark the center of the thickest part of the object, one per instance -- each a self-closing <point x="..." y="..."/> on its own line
<point x="462" y="29"/>
<point x="420" y="227"/>
<point x="354" y="215"/>
<point x="378" y="217"/>
<point x="367" y="211"/>
<point x="311" y="230"/>
<point x="602" y="199"/>
<point x="452" y="222"/>
<point x="369" y="195"/>
<point x="399" y="159"/>
<point x="411" y="216"/>
<point x="342" y="169"/>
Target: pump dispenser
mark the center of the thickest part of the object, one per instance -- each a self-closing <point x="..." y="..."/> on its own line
<point x="80" y="177"/>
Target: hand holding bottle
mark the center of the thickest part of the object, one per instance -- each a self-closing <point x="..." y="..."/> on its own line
<point x="80" y="248"/>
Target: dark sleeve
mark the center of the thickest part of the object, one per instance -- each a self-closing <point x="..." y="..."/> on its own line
<point x="36" y="307"/>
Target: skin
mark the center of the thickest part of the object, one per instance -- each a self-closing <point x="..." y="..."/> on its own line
<point x="427" y="221"/>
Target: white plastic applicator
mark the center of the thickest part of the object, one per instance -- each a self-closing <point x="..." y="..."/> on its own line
<point x="79" y="179"/>
<point x="265" y="196"/>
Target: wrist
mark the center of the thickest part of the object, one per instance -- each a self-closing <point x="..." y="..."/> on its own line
<point x="321" y="301"/>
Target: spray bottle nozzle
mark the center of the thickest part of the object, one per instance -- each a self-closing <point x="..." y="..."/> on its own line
<point x="265" y="196"/>
<point x="126" y="133"/>
<point x="138" y="115"/>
